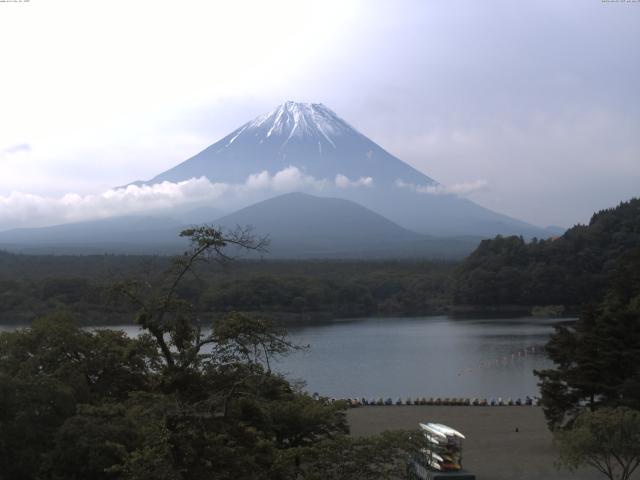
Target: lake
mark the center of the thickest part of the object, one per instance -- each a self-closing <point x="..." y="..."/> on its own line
<point x="427" y="356"/>
<point x="433" y="356"/>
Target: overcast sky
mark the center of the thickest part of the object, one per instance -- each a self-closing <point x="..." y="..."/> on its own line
<point x="537" y="100"/>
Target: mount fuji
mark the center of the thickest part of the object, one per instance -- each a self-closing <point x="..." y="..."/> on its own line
<point x="343" y="164"/>
<point x="305" y="135"/>
<point x="311" y="182"/>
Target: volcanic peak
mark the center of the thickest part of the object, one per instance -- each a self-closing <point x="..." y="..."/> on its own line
<point x="298" y="120"/>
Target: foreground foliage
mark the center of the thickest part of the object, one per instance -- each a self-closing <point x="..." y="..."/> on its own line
<point x="607" y="440"/>
<point x="348" y="458"/>
<point x="177" y="402"/>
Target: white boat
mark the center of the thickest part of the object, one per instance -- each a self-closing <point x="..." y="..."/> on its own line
<point x="432" y="430"/>
<point x="432" y="454"/>
<point x="432" y="439"/>
<point x="445" y="430"/>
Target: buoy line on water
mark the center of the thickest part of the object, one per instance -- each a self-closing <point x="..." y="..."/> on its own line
<point x="501" y="361"/>
<point x="434" y="401"/>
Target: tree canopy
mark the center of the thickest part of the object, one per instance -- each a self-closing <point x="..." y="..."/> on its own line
<point x="597" y="360"/>
<point x="180" y="401"/>
<point x="607" y="440"/>
<point x="291" y="291"/>
<point x="569" y="270"/>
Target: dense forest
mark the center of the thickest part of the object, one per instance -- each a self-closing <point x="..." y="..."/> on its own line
<point x="33" y="285"/>
<point x="570" y="270"/>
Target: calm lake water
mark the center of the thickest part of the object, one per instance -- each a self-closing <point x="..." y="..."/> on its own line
<point x="428" y="356"/>
<point x="424" y="356"/>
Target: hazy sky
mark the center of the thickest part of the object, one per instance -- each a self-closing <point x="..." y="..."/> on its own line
<point x="537" y="100"/>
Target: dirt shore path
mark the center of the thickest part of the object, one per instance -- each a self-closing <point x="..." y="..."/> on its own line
<point x="493" y="449"/>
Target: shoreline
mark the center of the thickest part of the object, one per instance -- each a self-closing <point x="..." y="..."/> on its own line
<point x="493" y="449"/>
<point x="306" y="319"/>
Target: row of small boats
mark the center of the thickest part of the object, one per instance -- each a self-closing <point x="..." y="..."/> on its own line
<point x="357" y="402"/>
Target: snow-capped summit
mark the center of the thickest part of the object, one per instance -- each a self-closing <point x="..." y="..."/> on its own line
<point x="297" y="119"/>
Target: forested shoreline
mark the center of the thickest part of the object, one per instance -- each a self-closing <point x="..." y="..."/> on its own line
<point x="572" y="270"/>
<point x="290" y="291"/>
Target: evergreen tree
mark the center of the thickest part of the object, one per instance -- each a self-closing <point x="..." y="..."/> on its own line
<point x="597" y="359"/>
<point x="571" y="270"/>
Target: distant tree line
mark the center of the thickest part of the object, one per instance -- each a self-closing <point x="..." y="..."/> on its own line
<point x="570" y="270"/>
<point x="294" y="290"/>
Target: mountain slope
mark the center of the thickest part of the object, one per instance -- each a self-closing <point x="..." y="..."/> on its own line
<point x="320" y="144"/>
<point x="304" y="226"/>
<point x="304" y="215"/>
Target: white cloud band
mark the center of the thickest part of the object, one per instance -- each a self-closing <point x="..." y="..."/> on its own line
<point x="27" y="210"/>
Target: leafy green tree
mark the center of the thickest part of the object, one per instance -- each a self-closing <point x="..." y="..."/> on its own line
<point x="31" y="411"/>
<point x="382" y="457"/>
<point x="89" y="443"/>
<point x="94" y="365"/>
<point x="607" y="439"/>
<point x="172" y="321"/>
<point x="597" y="360"/>
<point x="300" y="420"/>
